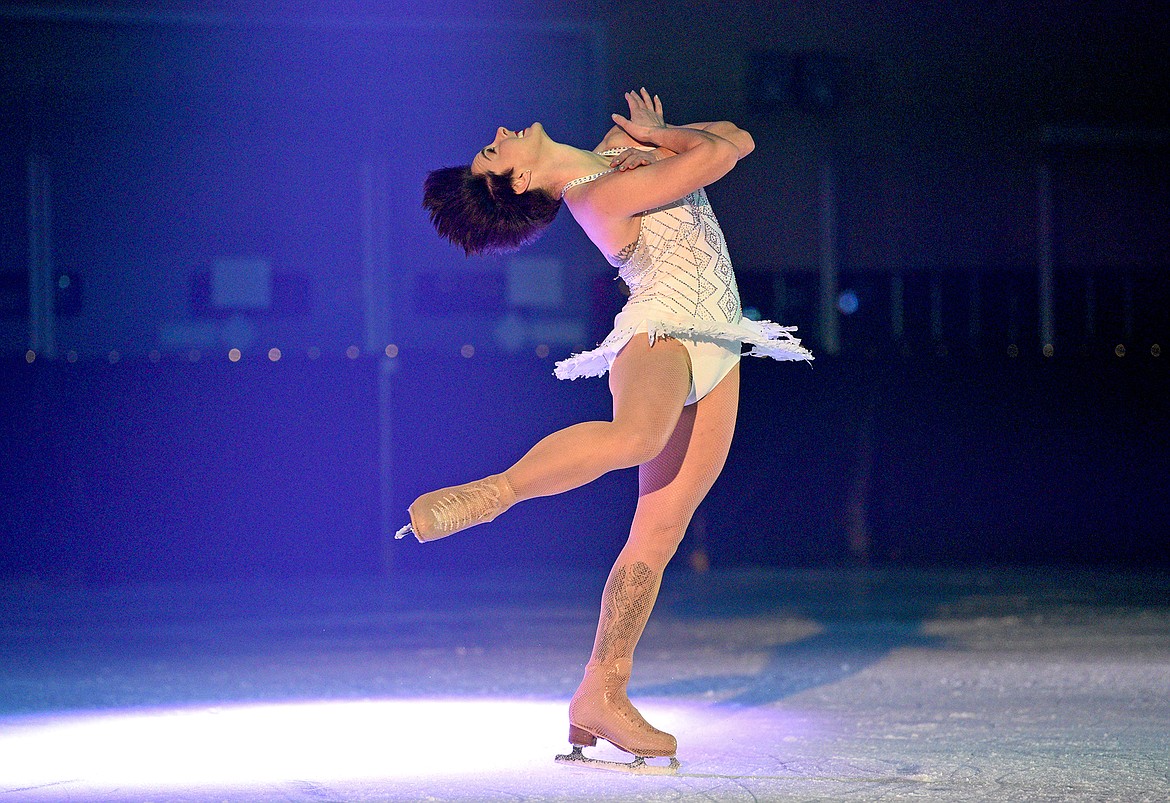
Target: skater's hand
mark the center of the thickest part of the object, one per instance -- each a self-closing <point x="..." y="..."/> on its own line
<point x="645" y="115"/>
<point x="632" y="158"/>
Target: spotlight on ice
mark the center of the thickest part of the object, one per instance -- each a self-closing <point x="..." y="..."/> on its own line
<point x="256" y="746"/>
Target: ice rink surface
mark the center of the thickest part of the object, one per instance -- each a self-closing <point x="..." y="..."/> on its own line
<point x="867" y="685"/>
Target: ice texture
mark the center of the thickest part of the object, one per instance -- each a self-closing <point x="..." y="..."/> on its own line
<point x="959" y="685"/>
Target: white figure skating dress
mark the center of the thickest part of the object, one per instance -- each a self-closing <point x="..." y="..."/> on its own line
<point x="682" y="286"/>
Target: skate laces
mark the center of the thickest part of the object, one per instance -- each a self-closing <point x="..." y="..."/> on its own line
<point x="465" y="506"/>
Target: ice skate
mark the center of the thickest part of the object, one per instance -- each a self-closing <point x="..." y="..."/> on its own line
<point x="639" y="766"/>
<point x="600" y="709"/>
<point x="444" y="512"/>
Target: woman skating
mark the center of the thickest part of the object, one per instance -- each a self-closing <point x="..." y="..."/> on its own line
<point x="672" y="358"/>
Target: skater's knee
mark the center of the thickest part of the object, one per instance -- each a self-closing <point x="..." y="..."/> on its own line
<point x="656" y="542"/>
<point x="638" y="444"/>
<point x="658" y="554"/>
<point x="647" y="444"/>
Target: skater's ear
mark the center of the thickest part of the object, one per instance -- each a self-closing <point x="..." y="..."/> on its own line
<point x="522" y="182"/>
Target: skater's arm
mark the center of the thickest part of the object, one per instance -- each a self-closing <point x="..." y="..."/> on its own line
<point x="640" y="155"/>
<point x="730" y="131"/>
<point x="636" y="153"/>
<point x="703" y="157"/>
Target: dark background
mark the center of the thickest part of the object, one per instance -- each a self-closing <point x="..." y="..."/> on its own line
<point x="935" y="430"/>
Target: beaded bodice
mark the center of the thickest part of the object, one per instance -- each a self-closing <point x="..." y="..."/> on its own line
<point x="680" y="262"/>
<point x="681" y="285"/>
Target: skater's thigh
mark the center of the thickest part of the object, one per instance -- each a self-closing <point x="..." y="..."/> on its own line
<point x="650" y="384"/>
<point x="684" y="471"/>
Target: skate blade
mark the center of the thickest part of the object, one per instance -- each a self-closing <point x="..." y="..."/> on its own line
<point x="636" y="767"/>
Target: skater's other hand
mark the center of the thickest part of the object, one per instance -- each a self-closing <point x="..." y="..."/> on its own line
<point x="632" y="158"/>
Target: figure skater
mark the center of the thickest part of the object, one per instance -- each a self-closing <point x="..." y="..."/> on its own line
<point x="672" y="357"/>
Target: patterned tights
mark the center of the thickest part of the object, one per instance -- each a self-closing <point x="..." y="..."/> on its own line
<point x="679" y="452"/>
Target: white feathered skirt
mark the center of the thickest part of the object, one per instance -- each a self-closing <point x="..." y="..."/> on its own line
<point x="714" y="347"/>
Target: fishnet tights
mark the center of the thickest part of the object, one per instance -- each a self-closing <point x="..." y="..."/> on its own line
<point x="670" y="488"/>
<point x="649" y="385"/>
<point x="679" y="451"/>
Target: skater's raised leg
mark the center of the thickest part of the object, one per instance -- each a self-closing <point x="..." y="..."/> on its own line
<point x="670" y="488"/>
<point x="649" y="383"/>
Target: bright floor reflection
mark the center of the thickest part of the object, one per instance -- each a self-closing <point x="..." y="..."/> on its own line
<point x="271" y="743"/>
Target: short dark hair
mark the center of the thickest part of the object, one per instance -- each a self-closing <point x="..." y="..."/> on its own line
<point x="482" y="214"/>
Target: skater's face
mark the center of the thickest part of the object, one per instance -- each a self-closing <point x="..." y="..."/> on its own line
<point x="511" y="150"/>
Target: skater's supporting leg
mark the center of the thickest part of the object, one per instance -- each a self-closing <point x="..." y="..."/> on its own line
<point x="649" y="383"/>
<point x="670" y="488"/>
